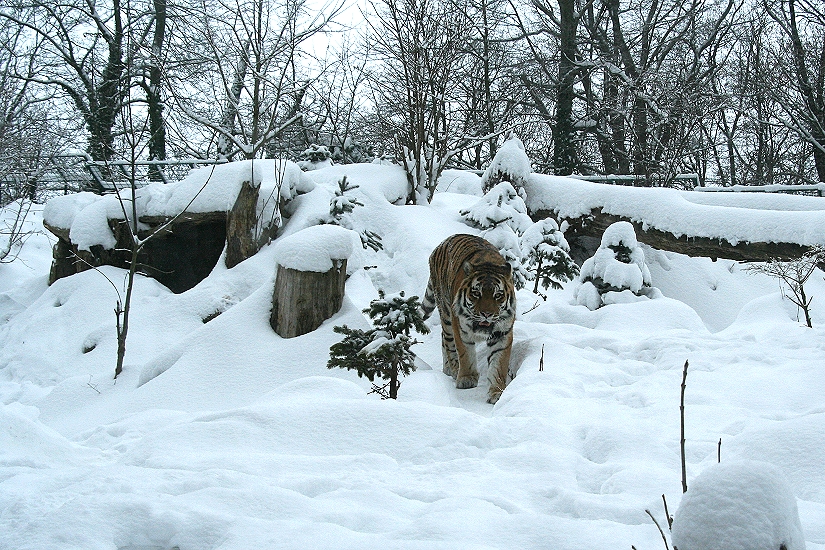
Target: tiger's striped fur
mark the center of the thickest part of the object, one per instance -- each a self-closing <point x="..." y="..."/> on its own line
<point x="472" y="286"/>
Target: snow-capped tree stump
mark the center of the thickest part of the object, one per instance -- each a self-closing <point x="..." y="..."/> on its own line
<point x="310" y="279"/>
<point x="304" y="299"/>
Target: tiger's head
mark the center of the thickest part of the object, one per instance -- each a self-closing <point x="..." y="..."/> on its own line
<point x="488" y="296"/>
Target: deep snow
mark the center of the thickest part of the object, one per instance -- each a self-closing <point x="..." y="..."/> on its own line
<point x="223" y="435"/>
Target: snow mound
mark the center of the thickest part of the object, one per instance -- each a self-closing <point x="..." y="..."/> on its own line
<point x="738" y="506"/>
<point x="315" y="248"/>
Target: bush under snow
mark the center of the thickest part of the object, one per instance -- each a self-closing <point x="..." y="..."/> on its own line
<point x="617" y="272"/>
<point x="744" y="505"/>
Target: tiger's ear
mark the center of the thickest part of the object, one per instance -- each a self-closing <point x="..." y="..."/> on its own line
<point x="467" y="268"/>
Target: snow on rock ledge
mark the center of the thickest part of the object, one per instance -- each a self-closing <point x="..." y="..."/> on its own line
<point x="744" y="505"/>
<point x="315" y="248"/>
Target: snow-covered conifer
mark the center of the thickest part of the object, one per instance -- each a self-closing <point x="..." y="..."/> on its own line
<point x="340" y="210"/>
<point x="547" y="255"/>
<point x="617" y="272"/>
<point x="510" y="164"/>
<point x="507" y="242"/>
<point x="315" y="157"/>
<point x="499" y="205"/>
<point x="383" y="351"/>
<point x="502" y="215"/>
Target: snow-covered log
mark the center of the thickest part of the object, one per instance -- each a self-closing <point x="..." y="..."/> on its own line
<point x="594" y="224"/>
<point x="742" y="228"/>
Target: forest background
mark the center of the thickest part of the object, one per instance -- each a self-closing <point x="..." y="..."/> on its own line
<point x="730" y="90"/>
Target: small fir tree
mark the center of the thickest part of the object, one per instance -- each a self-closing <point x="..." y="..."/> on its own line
<point x="507" y="242"/>
<point x="500" y="205"/>
<point x="383" y="351"/>
<point x="547" y="255"/>
<point x="502" y="216"/>
<point x="510" y="164"/>
<point x="340" y="213"/>
<point x="315" y="157"/>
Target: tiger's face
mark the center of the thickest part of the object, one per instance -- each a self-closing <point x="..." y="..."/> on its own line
<point x="487" y="300"/>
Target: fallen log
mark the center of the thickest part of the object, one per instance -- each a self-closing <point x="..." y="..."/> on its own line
<point x="593" y="225"/>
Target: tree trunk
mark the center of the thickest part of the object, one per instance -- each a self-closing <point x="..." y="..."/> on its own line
<point x="154" y="102"/>
<point x="302" y="300"/>
<point x="564" y="152"/>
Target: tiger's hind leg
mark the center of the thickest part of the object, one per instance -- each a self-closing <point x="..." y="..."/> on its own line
<point x="448" y="350"/>
<point x="498" y="364"/>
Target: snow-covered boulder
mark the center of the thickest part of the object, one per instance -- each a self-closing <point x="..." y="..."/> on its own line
<point x="236" y="204"/>
<point x="744" y="505"/>
<point x="617" y="272"/>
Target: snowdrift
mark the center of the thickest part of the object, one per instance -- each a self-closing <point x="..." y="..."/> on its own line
<point x="222" y="435"/>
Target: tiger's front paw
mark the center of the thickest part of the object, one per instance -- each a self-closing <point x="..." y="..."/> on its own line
<point x="467" y="381"/>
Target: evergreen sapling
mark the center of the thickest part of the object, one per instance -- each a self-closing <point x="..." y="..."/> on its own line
<point x="547" y="255"/>
<point x="340" y="213"/>
<point x="384" y="351"/>
<point x="502" y="215"/>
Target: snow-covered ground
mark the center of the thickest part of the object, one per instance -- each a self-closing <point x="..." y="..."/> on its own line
<point x="222" y="435"/>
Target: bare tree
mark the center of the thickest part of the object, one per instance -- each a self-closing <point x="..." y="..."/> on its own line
<point x="421" y="46"/>
<point x="802" y="25"/>
<point x="245" y="68"/>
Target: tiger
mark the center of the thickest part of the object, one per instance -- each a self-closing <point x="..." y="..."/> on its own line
<point x="472" y="286"/>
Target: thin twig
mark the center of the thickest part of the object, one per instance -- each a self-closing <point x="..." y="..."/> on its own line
<point x="682" y="442"/>
<point x="667" y="514"/>
<point x="664" y="538"/>
<point x="93" y="386"/>
<point x="532" y="308"/>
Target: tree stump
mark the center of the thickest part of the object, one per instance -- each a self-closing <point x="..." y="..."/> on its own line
<point x="241" y="221"/>
<point x="302" y="300"/>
